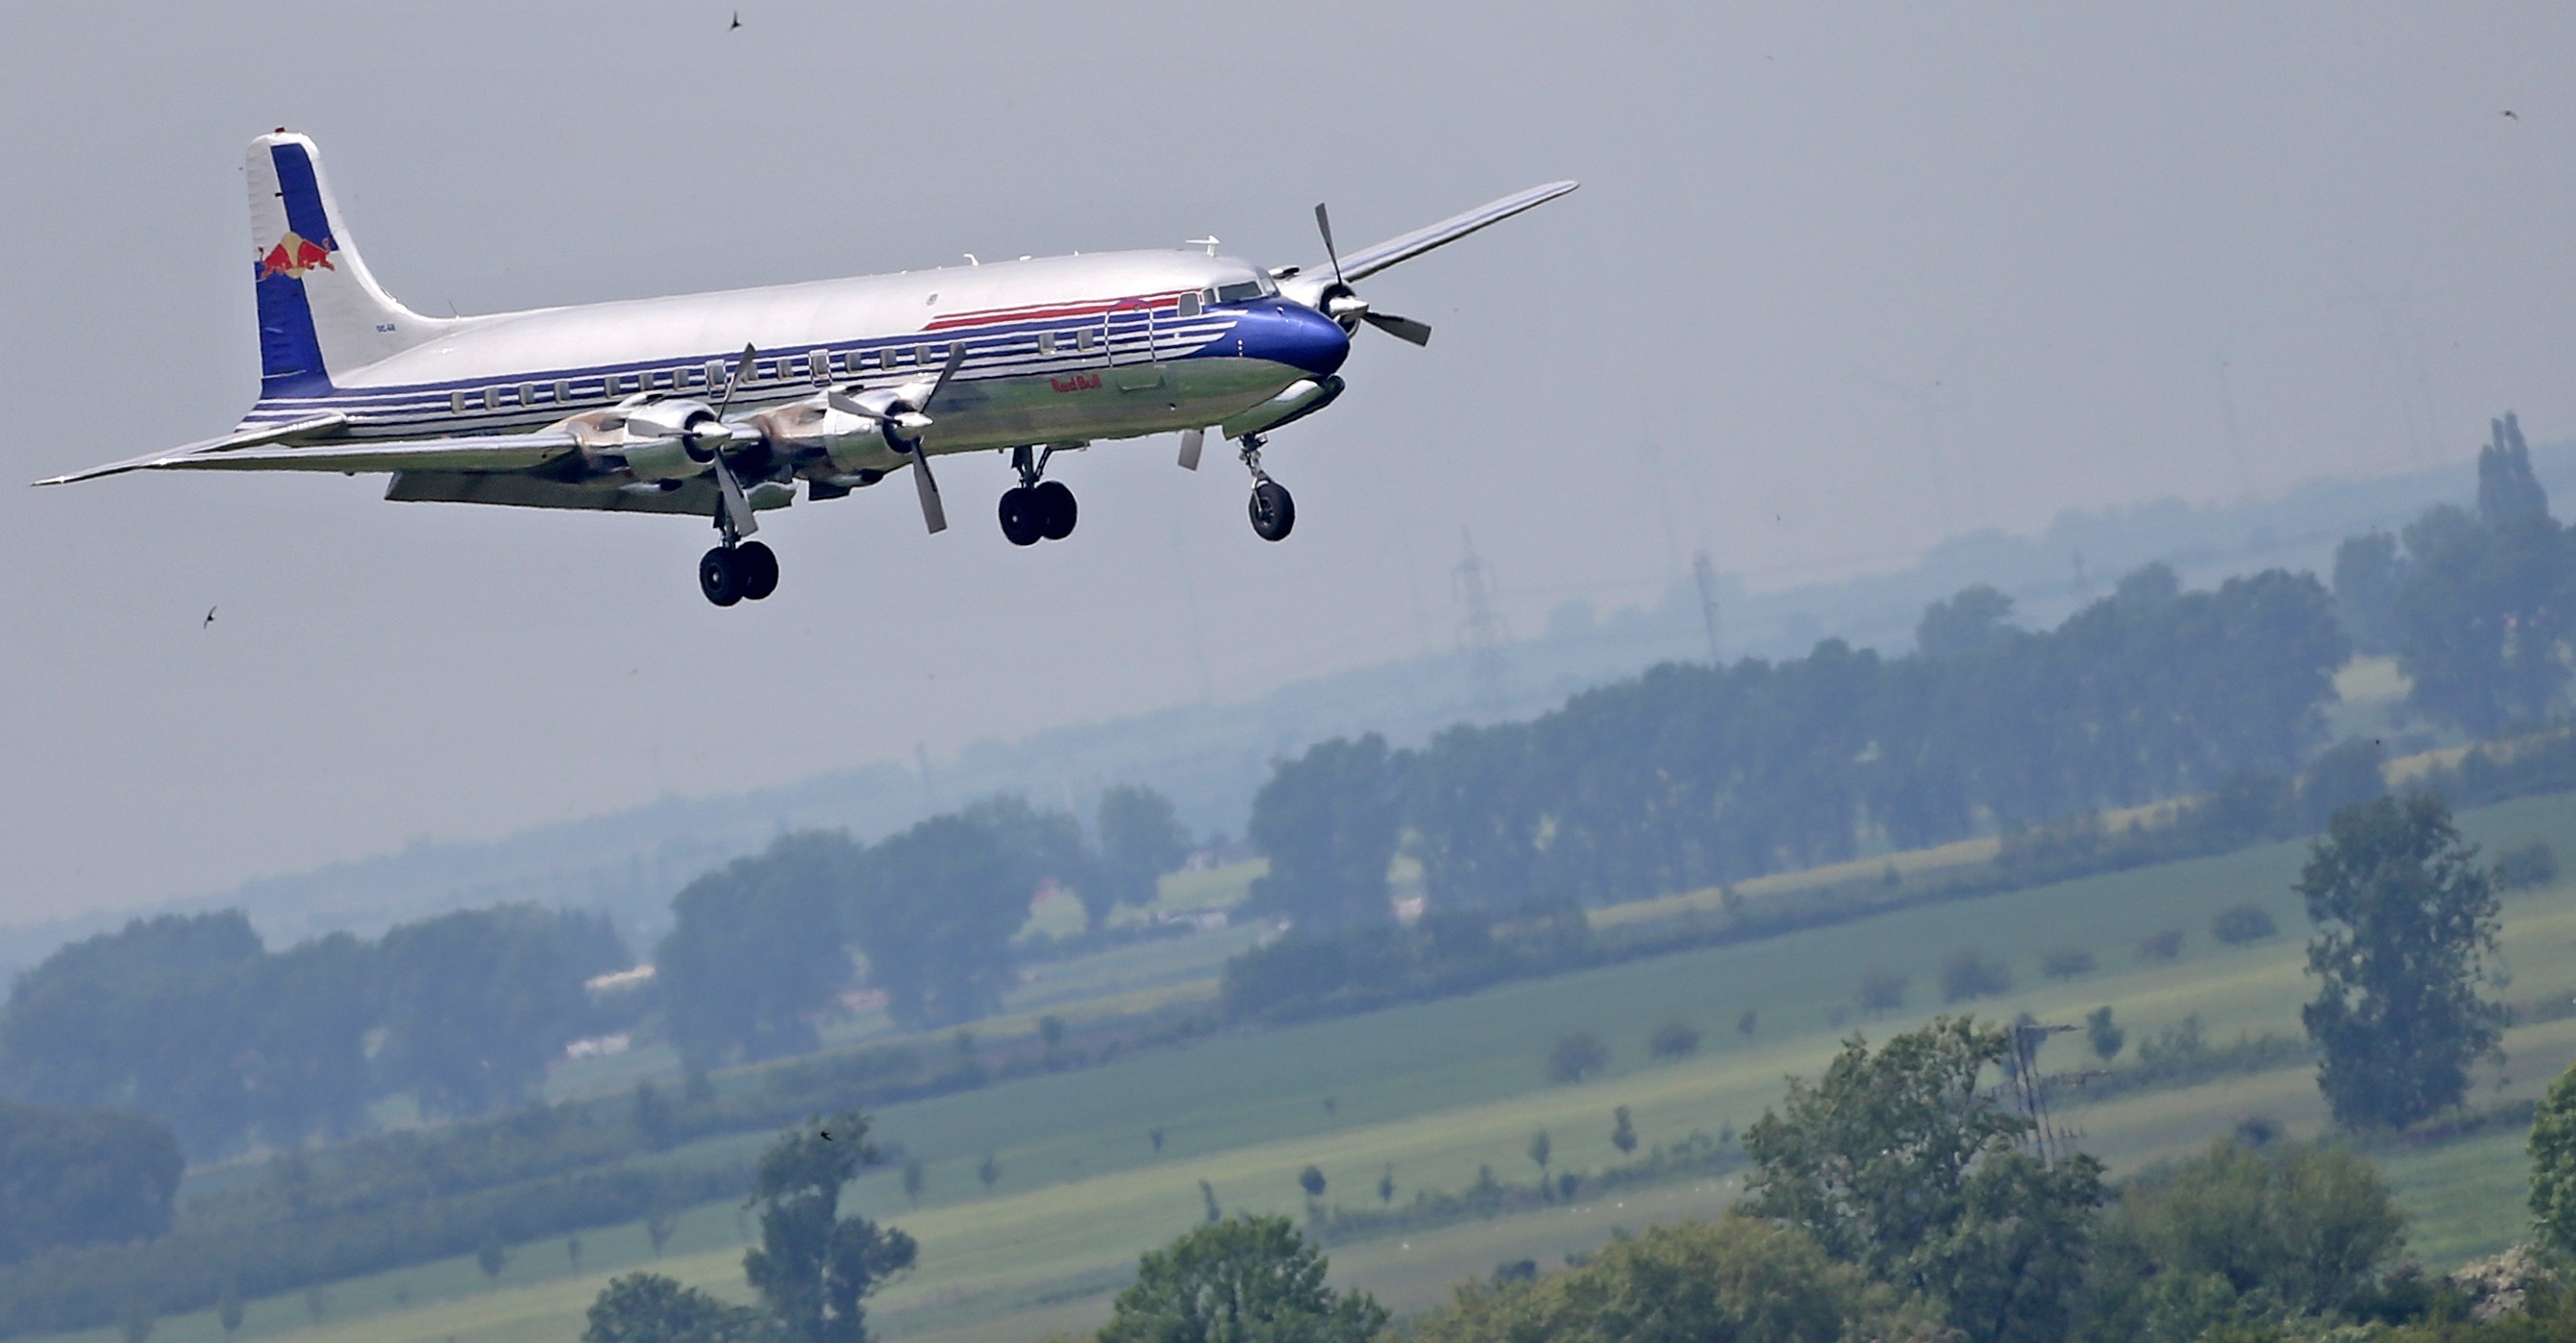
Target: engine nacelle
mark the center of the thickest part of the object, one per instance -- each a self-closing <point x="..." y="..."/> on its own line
<point x="852" y="443"/>
<point x="666" y="458"/>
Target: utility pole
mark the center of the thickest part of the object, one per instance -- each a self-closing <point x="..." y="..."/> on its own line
<point x="1483" y="631"/>
<point x="1706" y="574"/>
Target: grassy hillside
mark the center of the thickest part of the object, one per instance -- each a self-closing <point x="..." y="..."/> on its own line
<point x="1437" y="1089"/>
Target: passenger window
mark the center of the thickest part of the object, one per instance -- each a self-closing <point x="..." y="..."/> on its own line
<point x="491" y="398"/>
<point x="1046" y="342"/>
<point x="1084" y="339"/>
<point x="456" y="403"/>
<point x="819" y="363"/>
<point x="925" y="354"/>
<point x="1189" y="305"/>
<point x="563" y="392"/>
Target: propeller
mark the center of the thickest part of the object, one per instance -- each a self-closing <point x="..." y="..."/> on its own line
<point x="1346" y="307"/>
<point x="717" y="437"/>
<point x="903" y="425"/>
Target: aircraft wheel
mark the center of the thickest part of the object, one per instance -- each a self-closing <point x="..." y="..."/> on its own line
<point x="1022" y="522"/>
<point x="719" y="577"/>
<point x="1057" y="509"/>
<point x="758" y="566"/>
<point x="1273" y="512"/>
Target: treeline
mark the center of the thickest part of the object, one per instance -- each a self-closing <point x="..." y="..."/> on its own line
<point x="192" y="1020"/>
<point x="1693" y="776"/>
<point x="761" y="947"/>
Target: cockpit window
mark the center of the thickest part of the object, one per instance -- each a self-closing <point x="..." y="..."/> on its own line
<point x="1239" y="293"/>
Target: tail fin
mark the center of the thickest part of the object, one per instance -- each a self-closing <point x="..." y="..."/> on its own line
<point x="319" y="308"/>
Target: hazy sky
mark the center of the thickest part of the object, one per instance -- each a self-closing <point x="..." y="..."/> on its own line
<point x="1841" y="281"/>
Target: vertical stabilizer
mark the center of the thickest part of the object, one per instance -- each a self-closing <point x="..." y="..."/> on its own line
<point x="319" y="308"/>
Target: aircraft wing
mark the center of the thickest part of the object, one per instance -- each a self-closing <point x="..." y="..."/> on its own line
<point x="268" y="450"/>
<point x="1368" y="261"/>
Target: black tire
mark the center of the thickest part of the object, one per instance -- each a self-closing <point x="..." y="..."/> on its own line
<point x="1273" y="511"/>
<point x="719" y="577"/>
<point x="758" y="566"/>
<point x="1057" y="509"/>
<point x="1022" y="523"/>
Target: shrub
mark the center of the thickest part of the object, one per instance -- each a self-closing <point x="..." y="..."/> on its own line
<point x="2162" y="946"/>
<point x="2241" y="924"/>
<point x="1882" y="989"/>
<point x="2521" y="869"/>
<point x="1576" y="1057"/>
<point x="1972" y="974"/>
<point x="2067" y="963"/>
<point x="1674" y="1039"/>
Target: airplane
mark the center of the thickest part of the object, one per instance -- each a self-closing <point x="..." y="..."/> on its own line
<point x="650" y="405"/>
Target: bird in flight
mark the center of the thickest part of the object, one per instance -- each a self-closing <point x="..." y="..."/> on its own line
<point x="210" y="617"/>
<point x="2508" y="112"/>
<point x="737" y="22"/>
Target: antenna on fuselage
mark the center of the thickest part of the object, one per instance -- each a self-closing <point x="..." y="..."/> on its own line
<point x="1209" y="242"/>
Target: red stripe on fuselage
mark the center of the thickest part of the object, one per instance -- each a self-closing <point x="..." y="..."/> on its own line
<point x="1053" y="311"/>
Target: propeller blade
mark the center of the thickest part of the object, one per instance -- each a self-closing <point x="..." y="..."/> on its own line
<point x="932" y="515"/>
<point x="1402" y="328"/>
<point x="734" y="384"/>
<point x="1191" y="441"/>
<point x="737" y="507"/>
<point x="956" y="358"/>
<point x="1324" y="225"/>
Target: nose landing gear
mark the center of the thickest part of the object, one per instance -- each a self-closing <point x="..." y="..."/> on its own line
<point x="1273" y="511"/>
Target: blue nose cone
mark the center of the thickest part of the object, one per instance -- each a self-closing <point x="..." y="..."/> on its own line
<point x="1295" y="335"/>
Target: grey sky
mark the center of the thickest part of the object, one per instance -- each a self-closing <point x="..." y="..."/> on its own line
<point x="1840" y="282"/>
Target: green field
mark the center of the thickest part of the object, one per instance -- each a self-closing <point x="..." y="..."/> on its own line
<point x="1437" y="1089"/>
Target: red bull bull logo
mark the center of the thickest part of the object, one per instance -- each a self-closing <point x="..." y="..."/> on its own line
<point x="294" y="255"/>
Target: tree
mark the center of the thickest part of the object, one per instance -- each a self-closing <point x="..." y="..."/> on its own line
<point x="2483" y="612"/>
<point x="1540" y="1149"/>
<point x="989" y="1171"/>
<point x="813" y="1267"/>
<point x="2237" y="925"/>
<point x="1882" y="990"/>
<point x="1965" y="625"/>
<point x="916" y="1177"/>
<point x="1674" y="1038"/>
<point x="1738" y="1280"/>
<point x="2103" y="1035"/>
<point x="1623" y="1134"/>
<point x="1970" y="973"/>
<point x="2366" y="575"/>
<point x="755" y="949"/>
<point x="2067" y="963"/>
<point x="936" y="905"/>
<point x="1386" y="1185"/>
<point x="2553" y="1164"/>
<point x="2406" y="928"/>
<point x="1576" y="1057"/>
<point x="2243" y="1237"/>
<point x="1311" y="1179"/>
<point x="1243" y="1278"/>
<point x="82" y="1177"/>
<point x="1140" y="839"/>
<point x="1900" y="1161"/>
<point x="658" y="1226"/>
<point x="650" y="1308"/>
<point x="1328" y="822"/>
<point x="478" y="1002"/>
<point x="228" y="1309"/>
<point x="492" y="1256"/>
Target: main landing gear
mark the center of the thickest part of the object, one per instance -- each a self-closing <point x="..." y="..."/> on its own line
<point x="1036" y="510"/>
<point x="1273" y="511"/>
<point x="733" y="573"/>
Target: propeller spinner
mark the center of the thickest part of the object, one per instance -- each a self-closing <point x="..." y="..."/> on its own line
<point x="1344" y="305"/>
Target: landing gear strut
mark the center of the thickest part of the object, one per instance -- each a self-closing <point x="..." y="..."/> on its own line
<point x="1273" y="511"/>
<point x="1036" y="510"/>
<point x="736" y="570"/>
